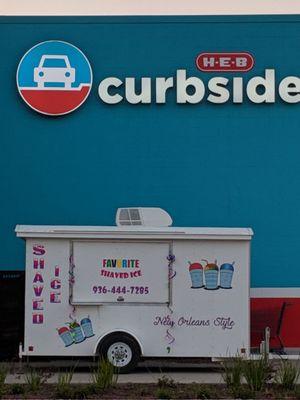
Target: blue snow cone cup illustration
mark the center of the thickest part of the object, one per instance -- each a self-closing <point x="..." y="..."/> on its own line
<point x="86" y="325"/>
<point x="76" y="332"/>
<point x="196" y="273"/>
<point x="65" y="336"/>
<point x="226" y="273"/>
<point x="211" y="273"/>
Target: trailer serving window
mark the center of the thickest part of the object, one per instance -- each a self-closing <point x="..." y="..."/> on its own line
<point x="119" y="272"/>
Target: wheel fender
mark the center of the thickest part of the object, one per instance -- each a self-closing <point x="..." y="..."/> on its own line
<point x="116" y="331"/>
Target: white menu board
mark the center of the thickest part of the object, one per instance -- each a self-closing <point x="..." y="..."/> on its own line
<point x="120" y="272"/>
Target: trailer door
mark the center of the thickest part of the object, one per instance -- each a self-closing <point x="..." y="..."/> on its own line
<point x="119" y="272"/>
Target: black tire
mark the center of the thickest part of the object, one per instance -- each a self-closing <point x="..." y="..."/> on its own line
<point x="128" y="341"/>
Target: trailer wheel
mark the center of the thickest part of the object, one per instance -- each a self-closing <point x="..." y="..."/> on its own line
<point x="121" y="350"/>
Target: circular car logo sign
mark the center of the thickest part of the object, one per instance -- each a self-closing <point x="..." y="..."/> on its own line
<point x="54" y="77"/>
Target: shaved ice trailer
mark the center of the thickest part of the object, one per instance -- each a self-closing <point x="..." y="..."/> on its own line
<point x="139" y="289"/>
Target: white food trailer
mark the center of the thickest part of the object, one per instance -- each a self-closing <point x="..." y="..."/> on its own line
<point x="139" y="289"/>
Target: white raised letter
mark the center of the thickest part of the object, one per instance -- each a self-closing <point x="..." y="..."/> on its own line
<point x="268" y="83"/>
<point x="162" y="85"/>
<point x="237" y="90"/>
<point x="241" y="61"/>
<point x="183" y="83"/>
<point x="289" y="89"/>
<point x="221" y="94"/>
<point x="209" y="62"/>
<point x="145" y="94"/>
<point x="224" y="61"/>
<point x="103" y="90"/>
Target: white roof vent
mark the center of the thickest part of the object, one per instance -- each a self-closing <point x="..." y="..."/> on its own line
<point x="143" y="216"/>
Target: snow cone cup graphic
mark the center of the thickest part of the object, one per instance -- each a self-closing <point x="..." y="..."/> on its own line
<point x="226" y="273"/>
<point x="211" y="273"/>
<point x="65" y="336"/>
<point x="196" y="273"/>
<point x="86" y="325"/>
<point x="76" y="332"/>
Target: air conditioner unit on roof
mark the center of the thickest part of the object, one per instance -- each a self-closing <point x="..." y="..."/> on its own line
<point x="143" y="216"/>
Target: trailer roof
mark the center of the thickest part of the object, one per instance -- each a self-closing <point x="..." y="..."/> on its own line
<point x="131" y="232"/>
